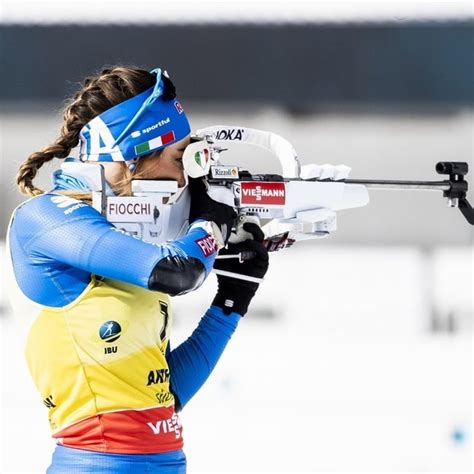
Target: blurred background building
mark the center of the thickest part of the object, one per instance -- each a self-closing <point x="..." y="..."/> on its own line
<point x="357" y="352"/>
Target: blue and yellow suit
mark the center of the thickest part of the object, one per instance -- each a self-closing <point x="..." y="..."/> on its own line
<point x="98" y="313"/>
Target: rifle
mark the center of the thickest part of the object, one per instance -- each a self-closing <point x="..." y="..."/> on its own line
<point x="299" y="204"/>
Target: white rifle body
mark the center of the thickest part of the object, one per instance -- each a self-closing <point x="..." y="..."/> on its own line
<point x="300" y="204"/>
<point x="305" y="209"/>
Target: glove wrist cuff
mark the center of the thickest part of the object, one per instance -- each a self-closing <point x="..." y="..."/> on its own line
<point x="237" y="301"/>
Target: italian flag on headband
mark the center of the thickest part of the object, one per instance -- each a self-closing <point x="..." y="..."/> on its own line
<point x="156" y="142"/>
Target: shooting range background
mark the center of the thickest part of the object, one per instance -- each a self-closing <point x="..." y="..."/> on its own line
<point x="357" y="352"/>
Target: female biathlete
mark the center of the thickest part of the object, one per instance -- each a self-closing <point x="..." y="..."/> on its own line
<point x="96" y="299"/>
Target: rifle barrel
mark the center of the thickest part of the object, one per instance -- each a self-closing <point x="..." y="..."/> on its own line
<point x="395" y="184"/>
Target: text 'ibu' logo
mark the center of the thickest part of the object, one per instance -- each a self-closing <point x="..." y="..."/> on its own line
<point x="110" y="331"/>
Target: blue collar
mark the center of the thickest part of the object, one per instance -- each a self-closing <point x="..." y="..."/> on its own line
<point x="63" y="181"/>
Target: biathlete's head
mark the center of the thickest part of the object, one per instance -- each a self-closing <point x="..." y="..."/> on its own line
<point x="128" y="120"/>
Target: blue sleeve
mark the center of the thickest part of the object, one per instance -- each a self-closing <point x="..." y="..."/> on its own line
<point x="192" y="362"/>
<point x="71" y="232"/>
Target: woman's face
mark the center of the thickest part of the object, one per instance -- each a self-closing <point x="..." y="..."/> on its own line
<point x="163" y="164"/>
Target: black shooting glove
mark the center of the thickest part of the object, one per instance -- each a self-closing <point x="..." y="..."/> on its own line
<point x="204" y="207"/>
<point x="234" y="295"/>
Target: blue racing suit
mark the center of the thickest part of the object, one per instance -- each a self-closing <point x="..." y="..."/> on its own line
<point x="99" y="315"/>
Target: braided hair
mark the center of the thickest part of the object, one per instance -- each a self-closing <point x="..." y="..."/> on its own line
<point x="99" y="93"/>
